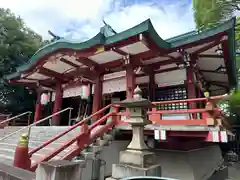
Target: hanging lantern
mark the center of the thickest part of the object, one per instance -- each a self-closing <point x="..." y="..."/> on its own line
<point x="85" y="92"/>
<point x="44" y="99"/>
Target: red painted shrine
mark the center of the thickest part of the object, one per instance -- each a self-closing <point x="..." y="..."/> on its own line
<point x="183" y="76"/>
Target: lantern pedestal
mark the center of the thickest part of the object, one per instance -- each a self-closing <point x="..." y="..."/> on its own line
<point x="137" y="160"/>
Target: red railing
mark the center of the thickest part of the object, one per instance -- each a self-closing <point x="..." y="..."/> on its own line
<point x="85" y="137"/>
<point x="88" y="133"/>
<point x="196" y="116"/>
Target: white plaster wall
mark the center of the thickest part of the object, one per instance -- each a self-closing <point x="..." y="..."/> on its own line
<point x="114" y="85"/>
<point x="116" y="82"/>
<point x="192" y="165"/>
<point x="142" y="79"/>
<point x="170" y="78"/>
<point x="73" y="92"/>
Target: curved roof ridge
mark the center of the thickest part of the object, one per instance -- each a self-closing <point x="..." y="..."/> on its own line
<point x="61" y="44"/>
<point x="145" y="27"/>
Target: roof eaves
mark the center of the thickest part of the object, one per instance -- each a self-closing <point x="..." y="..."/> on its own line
<point x="156" y="38"/>
<point x="60" y="44"/>
<point x="138" y="29"/>
<point x="204" y="34"/>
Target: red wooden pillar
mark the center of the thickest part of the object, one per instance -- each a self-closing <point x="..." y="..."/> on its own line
<point x="57" y="104"/>
<point x="38" y="108"/>
<point x="190" y="86"/>
<point x="151" y="86"/>
<point x="97" y="97"/>
<point x="191" y="89"/>
<point x="130" y="81"/>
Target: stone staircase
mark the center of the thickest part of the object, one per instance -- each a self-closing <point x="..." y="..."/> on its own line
<point x="39" y="135"/>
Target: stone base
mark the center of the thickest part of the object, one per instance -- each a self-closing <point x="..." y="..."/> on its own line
<point x="137" y="158"/>
<point x="120" y="171"/>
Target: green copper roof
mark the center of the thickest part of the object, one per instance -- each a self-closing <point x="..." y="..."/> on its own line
<point x="108" y="36"/>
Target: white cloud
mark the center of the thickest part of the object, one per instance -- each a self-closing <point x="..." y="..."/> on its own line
<point x="83" y="18"/>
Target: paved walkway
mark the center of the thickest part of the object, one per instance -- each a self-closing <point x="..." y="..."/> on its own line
<point x="234" y="172"/>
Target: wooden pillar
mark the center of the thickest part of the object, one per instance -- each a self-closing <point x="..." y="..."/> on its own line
<point x="151" y="86"/>
<point x="130" y="81"/>
<point x="38" y="108"/>
<point x="57" y="104"/>
<point x="190" y="86"/>
<point x="90" y="100"/>
<point x="97" y="97"/>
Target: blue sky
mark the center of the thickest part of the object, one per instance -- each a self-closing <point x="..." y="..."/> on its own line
<point x="82" y="19"/>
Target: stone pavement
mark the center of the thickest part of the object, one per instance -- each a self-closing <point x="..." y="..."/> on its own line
<point x="234" y="172"/>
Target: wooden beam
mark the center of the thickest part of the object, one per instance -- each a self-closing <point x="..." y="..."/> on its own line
<point x="228" y="63"/>
<point x="211" y="71"/>
<point x="32" y="85"/>
<point x="163" y="63"/>
<point x="73" y="83"/>
<point x="87" y="62"/>
<point x="86" y="72"/>
<point x="113" y="64"/>
<point x="205" y="48"/>
<point x="119" y="51"/>
<point x="210" y="56"/>
<point x="69" y="63"/>
<point x="218" y="83"/>
<point x="166" y="70"/>
<point x="51" y="73"/>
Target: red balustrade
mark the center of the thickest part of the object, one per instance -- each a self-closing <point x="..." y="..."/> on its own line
<point x="200" y="116"/>
<point x="87" y="135"/>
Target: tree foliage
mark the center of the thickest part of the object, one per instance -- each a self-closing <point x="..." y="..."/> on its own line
<point x="210" y="13"/>
<point x="17" y="44"/>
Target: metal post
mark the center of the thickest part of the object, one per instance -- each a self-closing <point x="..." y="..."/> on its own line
<point x="69" y="117"/>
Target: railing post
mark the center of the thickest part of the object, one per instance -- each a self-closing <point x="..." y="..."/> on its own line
<point x="21" y="157"/>
<point x="83" y="140"/>
<point x="29" y="118"/>
<point x="69" y="117"/>
<point x="115" y="117"/>
<point x="153" y="117"/>
<point x="208" y="116"/>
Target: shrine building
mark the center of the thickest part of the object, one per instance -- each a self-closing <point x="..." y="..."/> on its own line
<point x="110" y="65"/>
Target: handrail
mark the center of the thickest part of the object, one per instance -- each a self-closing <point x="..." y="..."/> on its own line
<point x="14" y="117"/>
<point x="41" y="120"/>
<point x="68" y="130"/>
<point x="70" y="142"/>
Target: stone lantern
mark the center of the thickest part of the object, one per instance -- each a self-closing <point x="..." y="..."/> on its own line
<point x="137" y="160"/>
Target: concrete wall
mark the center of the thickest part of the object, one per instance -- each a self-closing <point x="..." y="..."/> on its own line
<point x="192" y="165"/>
<point x="110" y="154"/>
<point x="203" y="161"/>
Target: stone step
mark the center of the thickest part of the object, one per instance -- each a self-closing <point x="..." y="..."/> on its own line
<point x="36" y="156"/>
<point x="6" y="159"/>
<point x="39" y="135"/>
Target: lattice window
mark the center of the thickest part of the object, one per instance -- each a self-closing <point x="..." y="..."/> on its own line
<point x="168" y="94"/>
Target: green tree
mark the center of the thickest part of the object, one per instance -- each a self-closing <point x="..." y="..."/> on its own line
<point x="210" y="13"/>
<point x="17" y="44"/>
